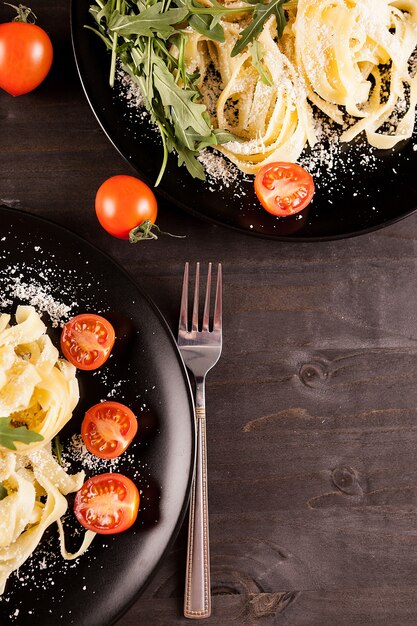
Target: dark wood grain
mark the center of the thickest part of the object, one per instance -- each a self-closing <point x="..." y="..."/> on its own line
<point x="312" y="410"/>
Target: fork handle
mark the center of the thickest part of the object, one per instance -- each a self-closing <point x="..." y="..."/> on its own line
<point x="197" y="601"/>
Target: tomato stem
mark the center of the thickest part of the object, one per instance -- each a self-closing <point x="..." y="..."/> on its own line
<point x="145" y="231"/>
<point x="24" y="14"/>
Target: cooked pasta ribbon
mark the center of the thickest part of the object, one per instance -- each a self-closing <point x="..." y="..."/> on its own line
<point x="348" y="58"/>
<point x="38" y="390"/>
<point x="354" y="56"/>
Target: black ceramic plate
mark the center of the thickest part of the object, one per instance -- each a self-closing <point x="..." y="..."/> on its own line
<point x="360" y="193"/>
<point x="145" y="372"/>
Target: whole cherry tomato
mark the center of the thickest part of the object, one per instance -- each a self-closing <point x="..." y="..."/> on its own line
<point x="25" y="54"/>
<point x="125" y="204"/>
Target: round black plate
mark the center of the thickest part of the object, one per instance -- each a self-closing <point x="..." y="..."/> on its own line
<point x="145" y="372"/>
<point x="356" y="196"/>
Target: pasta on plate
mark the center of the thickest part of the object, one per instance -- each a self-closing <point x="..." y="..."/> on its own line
<point x="37" y="390"/>
<point x="350" y="59"/>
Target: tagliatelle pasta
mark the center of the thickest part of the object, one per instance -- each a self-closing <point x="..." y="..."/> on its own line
<point x="348" y="58"/>
<point x="38" y="390"/>
<point x="274" y="120"/>
<point x="344" y="48"/>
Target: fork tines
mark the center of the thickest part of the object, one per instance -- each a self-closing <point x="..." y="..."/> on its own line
<point x="217" y="316"/>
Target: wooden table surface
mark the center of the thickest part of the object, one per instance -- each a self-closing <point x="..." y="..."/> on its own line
<point x="312" y="408"/>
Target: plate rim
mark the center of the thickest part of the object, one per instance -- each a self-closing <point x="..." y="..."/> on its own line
<point x="188" y="209"/>
<point x="170" y="335"/>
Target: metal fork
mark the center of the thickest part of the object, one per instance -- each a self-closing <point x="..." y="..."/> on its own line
<point x="200" y="350"/>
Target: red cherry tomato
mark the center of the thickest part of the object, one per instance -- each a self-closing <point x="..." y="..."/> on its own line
<point x="123" y="203"/>
<point x="25" y="55"/>
<point x="284" y="188"/>
<point x="107" y="503"/>
<point x="87" y="340"/>
<point x="108" y="428"/>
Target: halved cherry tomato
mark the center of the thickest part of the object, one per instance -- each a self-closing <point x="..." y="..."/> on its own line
<point x="107" y="503"/>
<point x="124" y="203"/>
<point x="87" y="340"/>
<point x="284" y="188"/>
<point x="25" y="54"/>
<point x="108" y="428"/>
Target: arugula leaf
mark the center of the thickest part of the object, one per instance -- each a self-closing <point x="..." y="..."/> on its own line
<point x="104" y="12"/>
<point x="9" y="435"/>
<point x="102" y="37"/>
<point x="180" y="42"/>
<point x="183" y="136"/>
<point x="223" y="136"/>
<point x="218" y="137"/>
<point x="3" y="492"/>
<point x="261" y="13"/>
<point x="216" y="10"/>
<point x="257" y="54"/>
<point x="188" y="112"/>
<point x="205" y="25"/>
<point x="141" y="33"/>
<point x="149" y="21"/>
<point x="57" y="449"/>
<point x="189" y="159"/>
